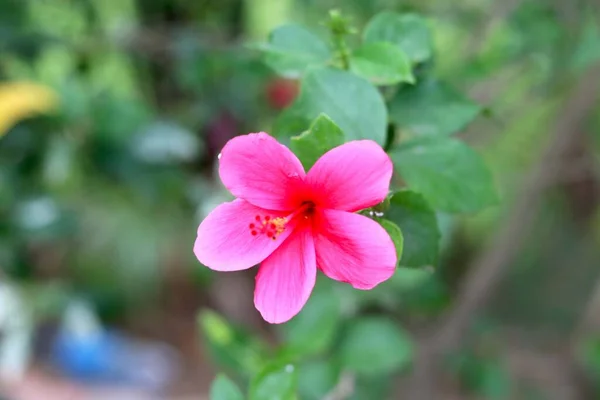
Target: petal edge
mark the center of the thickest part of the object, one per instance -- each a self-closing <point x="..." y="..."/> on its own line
<point x="262" y="171"/>
<point x="354" y="249"/>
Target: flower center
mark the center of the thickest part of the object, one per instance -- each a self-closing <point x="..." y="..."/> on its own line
<point x="272" y="227"/>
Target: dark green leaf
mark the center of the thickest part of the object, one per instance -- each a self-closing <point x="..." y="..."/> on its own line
<point x="290" y="123"/>
<point x="351" y="102"/>
<point x="495" y="382"/>
<point x="396" y="234"/>
<point x="587" y="51"/>
<point x="314" y="328"/>
<point x="316" y="379"/>
<point x="485" y="377"/>
<point x="276" y="382"/>
<point x="432" y="108"/>
<point x="291" y="49"/>
<point x="375" y="345"/>
<point x="223" y="388"/>
<point x="450" y="174"/>
<point x="407" y="279"/>
<point x="372" y="387"/>
<point x="322" y="136"/>
<point x="408" y="31"/>
<point x="117" y="119"/>
<point x="411" y="212"/>
<point x="381" y="63"/>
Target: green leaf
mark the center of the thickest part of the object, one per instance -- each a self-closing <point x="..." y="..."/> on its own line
<point x="410" y="279"/>
<point x="275" y="382"/>
<point x="375" y="345"/>
<point x="411" y="212"/>
<point x="224" y="388"/>
<point x="351" y="102"/>
<point x="291" y="122"/>
<point x="588" y="352"/>
<point x="495" y="382"/>
<point x="381" y="63"/>
<point x="396" y="234"/>
<point x="372" y="387"/>
<point x="322" y="136"/>
<point x="116" y="119"/>
<point x="313" y="330"/>
<point x="432" y="108"/>
<point x="316" y="379"/>
<point x="587" y="51"/>
<point x="291" y="49"/>
<point x="485" y="377"/>
<point x="229" y="346"/>
<point x="408" y="31"/>
<point x="449" y="174"/>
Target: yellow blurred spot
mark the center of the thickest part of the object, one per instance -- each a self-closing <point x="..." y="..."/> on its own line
<point x="20" y="100"/>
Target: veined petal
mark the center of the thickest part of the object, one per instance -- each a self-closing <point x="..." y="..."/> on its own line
<point x="237" y="235"/>
<point x="286" y="278"/>
<point x="262" y="171"/>
<point x="351" y="177"/>
<point x="353" y="248"/>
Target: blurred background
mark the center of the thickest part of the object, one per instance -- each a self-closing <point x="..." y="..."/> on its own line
<point x="112" y="113"/>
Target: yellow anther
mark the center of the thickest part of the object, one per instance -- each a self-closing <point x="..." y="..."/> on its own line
<point x="279" y="224"/>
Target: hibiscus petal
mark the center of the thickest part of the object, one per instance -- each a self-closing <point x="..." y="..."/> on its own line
<point x="260" y="170"/>
<point x="353" y="248"/>
<point x="286" y="278"/>
<point x="225" y="241"/>
<point x="351" y="177"/>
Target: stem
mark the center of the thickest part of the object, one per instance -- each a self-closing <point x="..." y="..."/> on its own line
<point x="343" y="53"/>
<point x="339" y="28"/>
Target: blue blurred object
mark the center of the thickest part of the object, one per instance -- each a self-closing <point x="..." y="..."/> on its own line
<point x="84" y="351"/>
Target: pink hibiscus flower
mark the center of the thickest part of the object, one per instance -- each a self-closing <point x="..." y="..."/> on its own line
<point x="294" y="223"/>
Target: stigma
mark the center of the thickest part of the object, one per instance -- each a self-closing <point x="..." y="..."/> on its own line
<point x="265" y="225"/>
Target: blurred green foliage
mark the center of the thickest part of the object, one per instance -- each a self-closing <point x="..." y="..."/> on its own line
<point x="102" y="198"/>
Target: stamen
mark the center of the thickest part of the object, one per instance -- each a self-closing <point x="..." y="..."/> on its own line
<point x="270" y="226"/>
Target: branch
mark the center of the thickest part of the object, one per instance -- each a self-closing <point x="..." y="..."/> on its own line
<point x="487" y="269"/>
